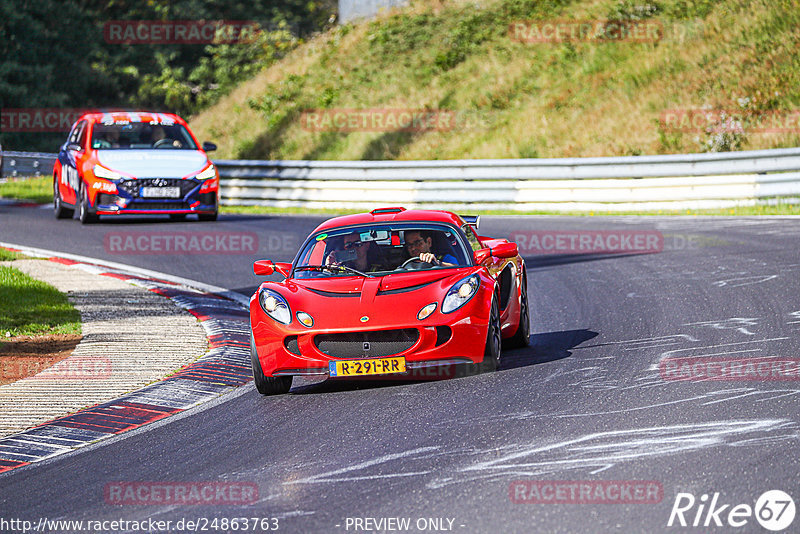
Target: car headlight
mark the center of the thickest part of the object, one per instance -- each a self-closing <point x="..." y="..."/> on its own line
<point x="275" y="306"/>
<point x="108" y="174"/>
<point x="208" y="172"/>
<point x="461" y="293"/>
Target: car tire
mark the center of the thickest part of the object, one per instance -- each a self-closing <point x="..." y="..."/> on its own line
<point x="267" y="385"/>
<point x="491" y="353"/>
<point x="207" y="216"/>
<point x="58" y="206"/>
<point x="84" y="212"/>
<point x="522" y="338"/>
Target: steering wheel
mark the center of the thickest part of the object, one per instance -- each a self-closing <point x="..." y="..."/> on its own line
<point x="163" y="142"/>
<point x="412" y="260"/>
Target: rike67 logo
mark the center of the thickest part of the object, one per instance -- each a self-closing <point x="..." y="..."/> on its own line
<point x="774" y="510"/>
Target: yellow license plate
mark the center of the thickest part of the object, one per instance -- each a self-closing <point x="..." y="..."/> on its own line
<point x="373" y="366"/>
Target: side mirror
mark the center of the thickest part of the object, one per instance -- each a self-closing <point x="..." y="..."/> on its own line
<point x="208" y="146"/>
<point x="505" y="250"/>
<point x="482" y="255"/>
<point x="75" y="146"/>
<point x="266" y="268"/>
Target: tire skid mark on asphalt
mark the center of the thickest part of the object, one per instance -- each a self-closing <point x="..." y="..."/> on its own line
<point x="704" y="399"/>
<point x="740" y="393"/>
<point x="223" y="368"/>
<point x="599" y="451"/>
<point x="593" y="453"/>
<point x="795" y="315"/>
<point x="745" y="280"/>
<point x="647" y="342"/>
<point x="420" y="452"/>
<point x="651" y="377"/>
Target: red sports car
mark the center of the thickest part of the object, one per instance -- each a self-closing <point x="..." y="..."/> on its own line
<point x="134" y="163"/>
<point x="387" y="293"/>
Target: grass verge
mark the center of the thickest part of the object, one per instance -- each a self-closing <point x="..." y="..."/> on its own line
<point x="9" y="255"/>
<point x="31" y="307"/>
<point x="39" y="189"/>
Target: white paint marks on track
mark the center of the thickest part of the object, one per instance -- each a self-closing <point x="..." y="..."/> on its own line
<point x="593" y="453"/>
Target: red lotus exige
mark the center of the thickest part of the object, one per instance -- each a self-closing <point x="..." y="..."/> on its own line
<point x="387" y="293"/>
<point x="134" y="162"/>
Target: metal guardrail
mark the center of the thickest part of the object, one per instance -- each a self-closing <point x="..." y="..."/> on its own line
<point x="682" y="181"/>
<point x="27" y="164"/>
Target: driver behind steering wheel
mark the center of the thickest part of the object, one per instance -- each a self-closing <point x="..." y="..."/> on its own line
<point x="419" y="244"/>
<point x="159" y="138"/>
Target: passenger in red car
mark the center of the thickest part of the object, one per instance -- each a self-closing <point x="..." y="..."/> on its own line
<point x="355" y="254"/>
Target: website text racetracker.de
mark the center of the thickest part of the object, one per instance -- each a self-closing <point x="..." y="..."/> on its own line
<point x="39" y="119"/>
<point x="195" y="524"/>
<point x="181" y="31"/>
<point x="138" y="243"/>
<point x="589" y="241"/>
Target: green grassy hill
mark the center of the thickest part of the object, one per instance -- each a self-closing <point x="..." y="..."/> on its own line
<point x="585" y="98"/>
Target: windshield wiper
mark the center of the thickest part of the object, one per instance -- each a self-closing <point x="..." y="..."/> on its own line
<point x="338" y="268"/>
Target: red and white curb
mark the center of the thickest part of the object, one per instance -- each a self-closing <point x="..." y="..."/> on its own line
<point x="226" y="366"/>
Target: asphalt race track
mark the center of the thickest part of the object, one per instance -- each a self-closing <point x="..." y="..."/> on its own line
<point x="586" y="402"/>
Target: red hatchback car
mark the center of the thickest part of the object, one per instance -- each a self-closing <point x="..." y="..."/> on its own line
<point x="386" y="293"/>
<point x="134" y="163"/>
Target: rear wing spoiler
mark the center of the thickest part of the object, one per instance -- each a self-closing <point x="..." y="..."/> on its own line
<point x="472" y="220"/>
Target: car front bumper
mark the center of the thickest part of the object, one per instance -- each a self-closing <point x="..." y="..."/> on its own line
<point x="301" y="353"/>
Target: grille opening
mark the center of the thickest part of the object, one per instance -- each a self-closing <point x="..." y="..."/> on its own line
<point x="290" y="342"/>
<point x="132" y="186"/>
<point x="158" y="206"/>
<point x="373" y="344"/>
<point x="443" y="335"/>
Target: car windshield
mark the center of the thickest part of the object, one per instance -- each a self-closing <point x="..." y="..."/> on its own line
<point x="141" y="135"/>
<point x="381" y="249"/>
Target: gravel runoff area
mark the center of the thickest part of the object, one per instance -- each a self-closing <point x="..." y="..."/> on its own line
<point x="131" y="337"/>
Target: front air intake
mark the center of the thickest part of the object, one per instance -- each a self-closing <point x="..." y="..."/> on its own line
<point x="374" y="344"/>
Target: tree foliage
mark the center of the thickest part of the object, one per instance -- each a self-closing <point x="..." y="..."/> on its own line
<point x="53" y="55"/>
